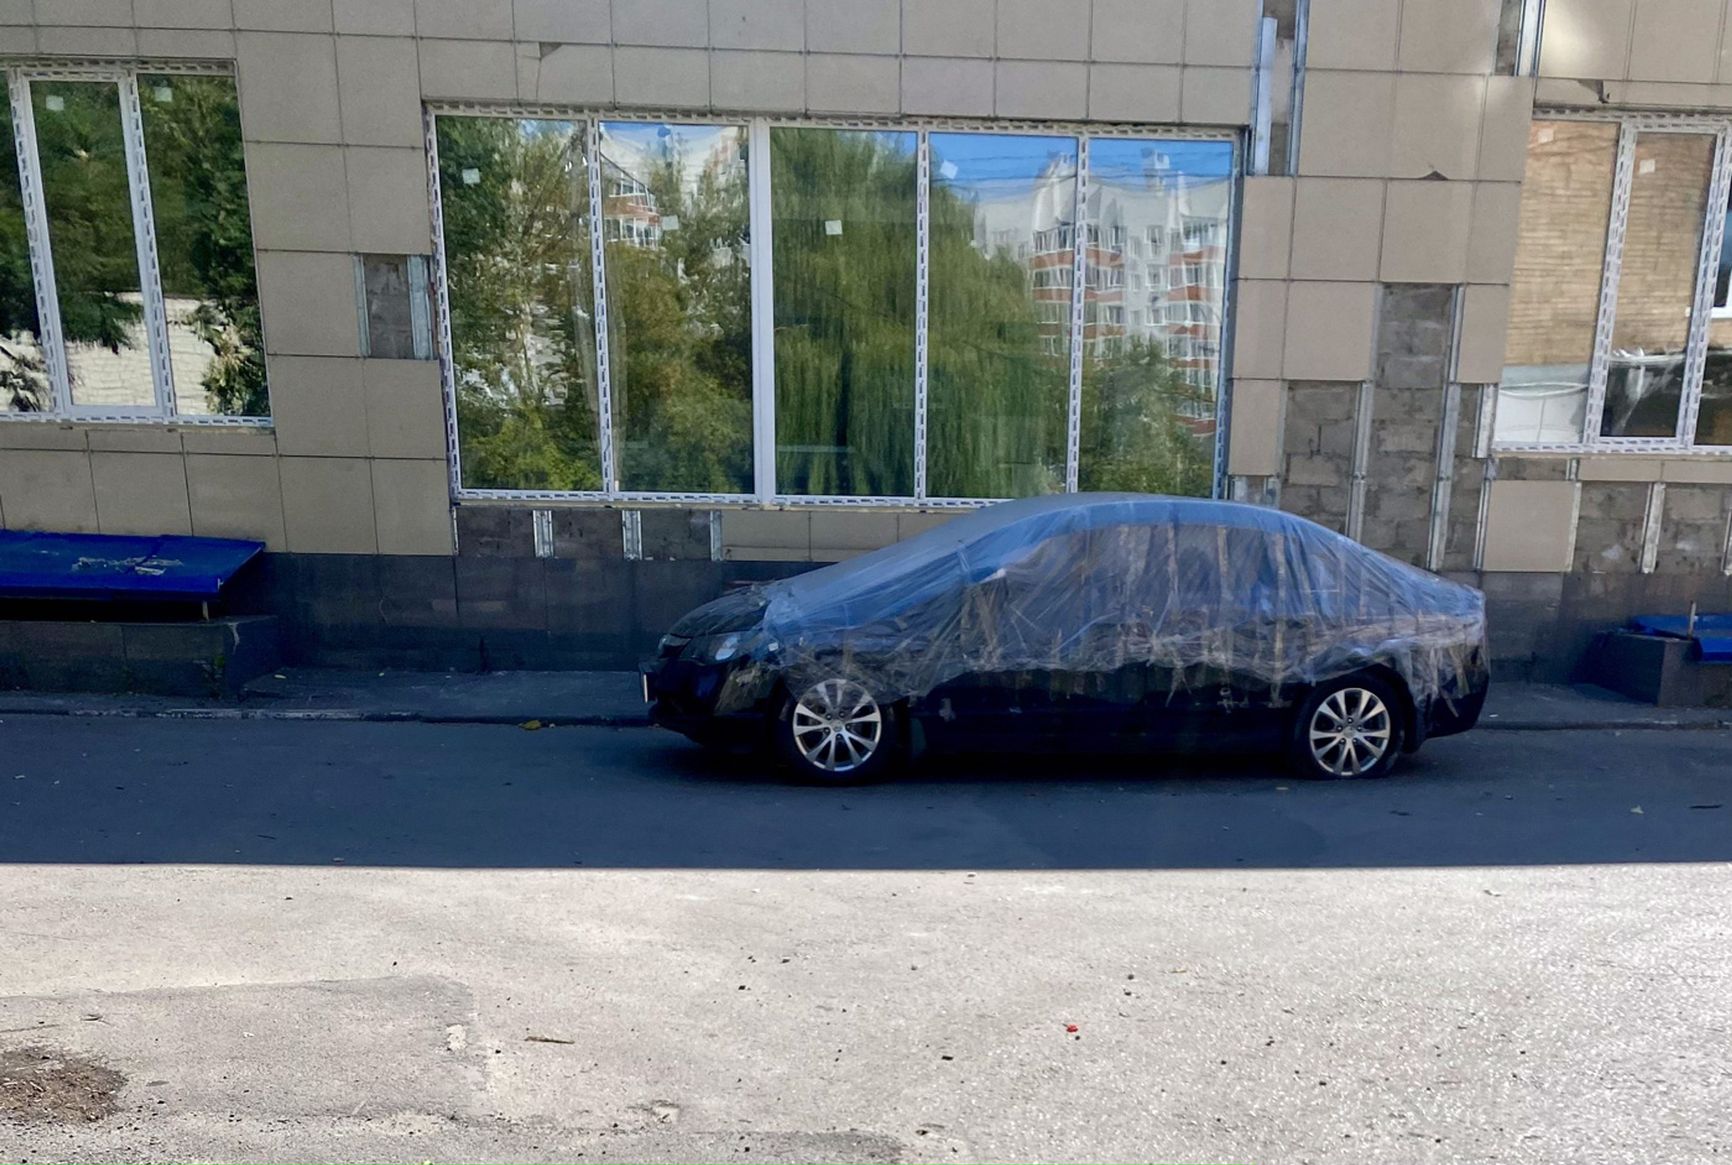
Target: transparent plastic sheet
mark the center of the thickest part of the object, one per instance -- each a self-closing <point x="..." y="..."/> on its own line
<point x="1190" y="591"/>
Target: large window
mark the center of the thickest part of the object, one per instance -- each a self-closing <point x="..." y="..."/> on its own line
<point x="127" y="286"/>
<point x="1616" y="340"/>
<point x="808" y="313"/>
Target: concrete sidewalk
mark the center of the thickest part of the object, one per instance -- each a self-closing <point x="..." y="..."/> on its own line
<point x="615" y="699"/>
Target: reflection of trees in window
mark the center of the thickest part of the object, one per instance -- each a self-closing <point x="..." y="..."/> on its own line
<point x="515" y="209"/>
<point x="23" y="378"/>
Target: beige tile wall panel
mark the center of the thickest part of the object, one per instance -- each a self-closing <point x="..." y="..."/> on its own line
<point x="187" y="43"/>
<point x="328" y="505"/>
<point x="468" y="70"/>
<point x="183" y="13"/>
<point x="854" y="26"/>
<point x="1503" y="145"/>
<point x="236" y="497"/>
<point x="838" y="83"/>
<point x="1329" y="331"/>
<point x="463" y="19"/>
<point x="388" y="210"/>
<point x="135" y="439"/>
<point x="375" y="17"/>
<point x="1437" y="126"/>
<point x="299" y="197"/>
<point x="19" y="41"/>
<point x="947" y="85"/>
<point x="1211" y="96"/>
<point x="1483" y="330"/>
<point x="319" y="407"/>
<point x="1586" y="38"/>
<point x="1563" y="92"/>
<point x="1353" y="34"/>
<point x="40" y="436"/>
<point x="1449" y="36"/>
<point x="87" y="12"/>
<point x="1337" y="228"/>
<point x="307" y="300"/>
<point x="573" y="74"/>
<point x="1666" y="95"/>
<point x="43" y="489"/>
<point x="949" y="28"/>
<point x="140" y="493"/>
<point x="563" y="21"/>
<point x="1706" y="470"/>
<point x="767" y="535"/>
<point x="668" y="23"/>
<point x="412" y="507"/>
<point x="1260" y="320"/>
<point x="762" y="82"/>
<point x="1221" y="32"/>
<point x="1138" y="31"/>
<point x="17" y="11"/>
<point x="1254" y="442"/>
<point x="1676" y="40"/>
<point x="284" y="15"/>
<point x="72" y="41"/>
<point x="1530" y="526"/>
<point x="288" y="87"/>
<point x="248" y="441"/>
<point x="776" y="25"/>
<point x="1044" y="30"/>
<point x="1492" y="239"/>
<point x="1425" y="231"/>
<point x="379" y="86"/>
<point x="405" y="408"/>
<point x="1349" y="120"/>
<point x="1265" y="228"/>
<point x="1617" y="467"/>
<point x="661" y="76"/>
<point x="910" y="524"/>
<point x="838" y="534"/>
<point x="1148" y="93"/>
<point x="1042" y="89"/>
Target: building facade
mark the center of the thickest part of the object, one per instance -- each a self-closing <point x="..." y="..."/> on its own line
<point x="516" y="327"/>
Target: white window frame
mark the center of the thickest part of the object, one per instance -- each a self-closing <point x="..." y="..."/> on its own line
<point x="162" y="409"/>
<point x="1683" y="440"/>
<point x="764" y="487"/>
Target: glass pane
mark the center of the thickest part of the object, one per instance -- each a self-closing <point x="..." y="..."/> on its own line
<point x="845" y="256"/>
<point x="1003" y="213"/>
<point x="23" y="378"/>
<point x="89" y="203"/>
<point x="1657" y="284"/>
<point x="204" y="244"/>
<point x="514" y="197"/>
<point x="1153" y="315"/>
<point x="1555" y="299"/>
<point x="679" y="305"/>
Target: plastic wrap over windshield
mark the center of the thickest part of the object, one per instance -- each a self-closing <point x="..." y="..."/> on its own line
<point x="1194" y="593"/>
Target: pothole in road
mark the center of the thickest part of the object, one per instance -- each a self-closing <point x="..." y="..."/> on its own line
<point x="46" y="1084"/>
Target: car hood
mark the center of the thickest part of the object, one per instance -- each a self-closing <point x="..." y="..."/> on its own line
<point x="738" y="610"/>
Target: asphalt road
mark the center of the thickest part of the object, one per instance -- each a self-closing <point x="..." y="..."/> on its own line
<point x="408" y="942"/>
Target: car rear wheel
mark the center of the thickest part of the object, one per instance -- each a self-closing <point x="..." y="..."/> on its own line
<point x="835" y="732"/>
<point x="1349" y="729"/>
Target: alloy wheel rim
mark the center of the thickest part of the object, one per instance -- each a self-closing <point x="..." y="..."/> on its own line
<point x="837" y="725"/>
<point x="1350" y="732"/>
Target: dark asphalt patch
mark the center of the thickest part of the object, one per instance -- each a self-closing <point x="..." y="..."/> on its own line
<point x="44" y="1084"/>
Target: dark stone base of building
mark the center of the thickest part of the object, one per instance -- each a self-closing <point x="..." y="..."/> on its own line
<point x="98" y="650"/>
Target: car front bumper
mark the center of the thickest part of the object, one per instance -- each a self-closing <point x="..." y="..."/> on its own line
<point x="682" y="697"/>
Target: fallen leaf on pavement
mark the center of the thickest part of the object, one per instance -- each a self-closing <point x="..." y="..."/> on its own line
<point x="530" y="725"/>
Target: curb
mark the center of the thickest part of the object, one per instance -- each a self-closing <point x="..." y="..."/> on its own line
<point x="1606" y="725"/>
<point x="329" y="715"/>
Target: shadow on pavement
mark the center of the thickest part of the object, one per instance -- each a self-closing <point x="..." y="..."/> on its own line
<point x="275" y="793"/>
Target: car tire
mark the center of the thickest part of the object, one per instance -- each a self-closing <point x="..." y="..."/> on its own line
<point x="1348" y="729"/>
<point x="837" y="732"/>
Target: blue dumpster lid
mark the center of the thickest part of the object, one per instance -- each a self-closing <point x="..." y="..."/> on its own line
<point x="1713" y="633"/>
<point x="166" y="566"/>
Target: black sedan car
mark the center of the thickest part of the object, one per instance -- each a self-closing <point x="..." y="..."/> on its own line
<point x="1086" y="623"/>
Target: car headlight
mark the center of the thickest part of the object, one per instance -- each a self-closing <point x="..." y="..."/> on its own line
<point x="720" y="648"/>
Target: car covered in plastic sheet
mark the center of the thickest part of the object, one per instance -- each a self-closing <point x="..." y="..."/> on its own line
<point x="1085" y="623"/>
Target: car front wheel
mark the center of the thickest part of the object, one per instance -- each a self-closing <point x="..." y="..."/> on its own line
<point x="835" y="732"/>
<point x="1349" y="729"/>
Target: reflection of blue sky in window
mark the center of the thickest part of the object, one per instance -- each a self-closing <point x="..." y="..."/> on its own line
<point x="1123" y="161"/>
<point x="998" y="165"/>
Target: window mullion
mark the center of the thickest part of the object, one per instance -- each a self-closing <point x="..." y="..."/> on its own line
<point x="1702" y="309"/>
<point x="763" y="310"/>
<point x="1079" y="292"/>
<point x="41" y="254"/>
<point x="922" y="267"/>
<point x="1623" y="175"/>
<point x="598" y="277"/>
<point x="144" y="239"/>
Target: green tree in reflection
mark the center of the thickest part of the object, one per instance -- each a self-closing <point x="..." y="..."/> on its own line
<point x="1132" y="437"/>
